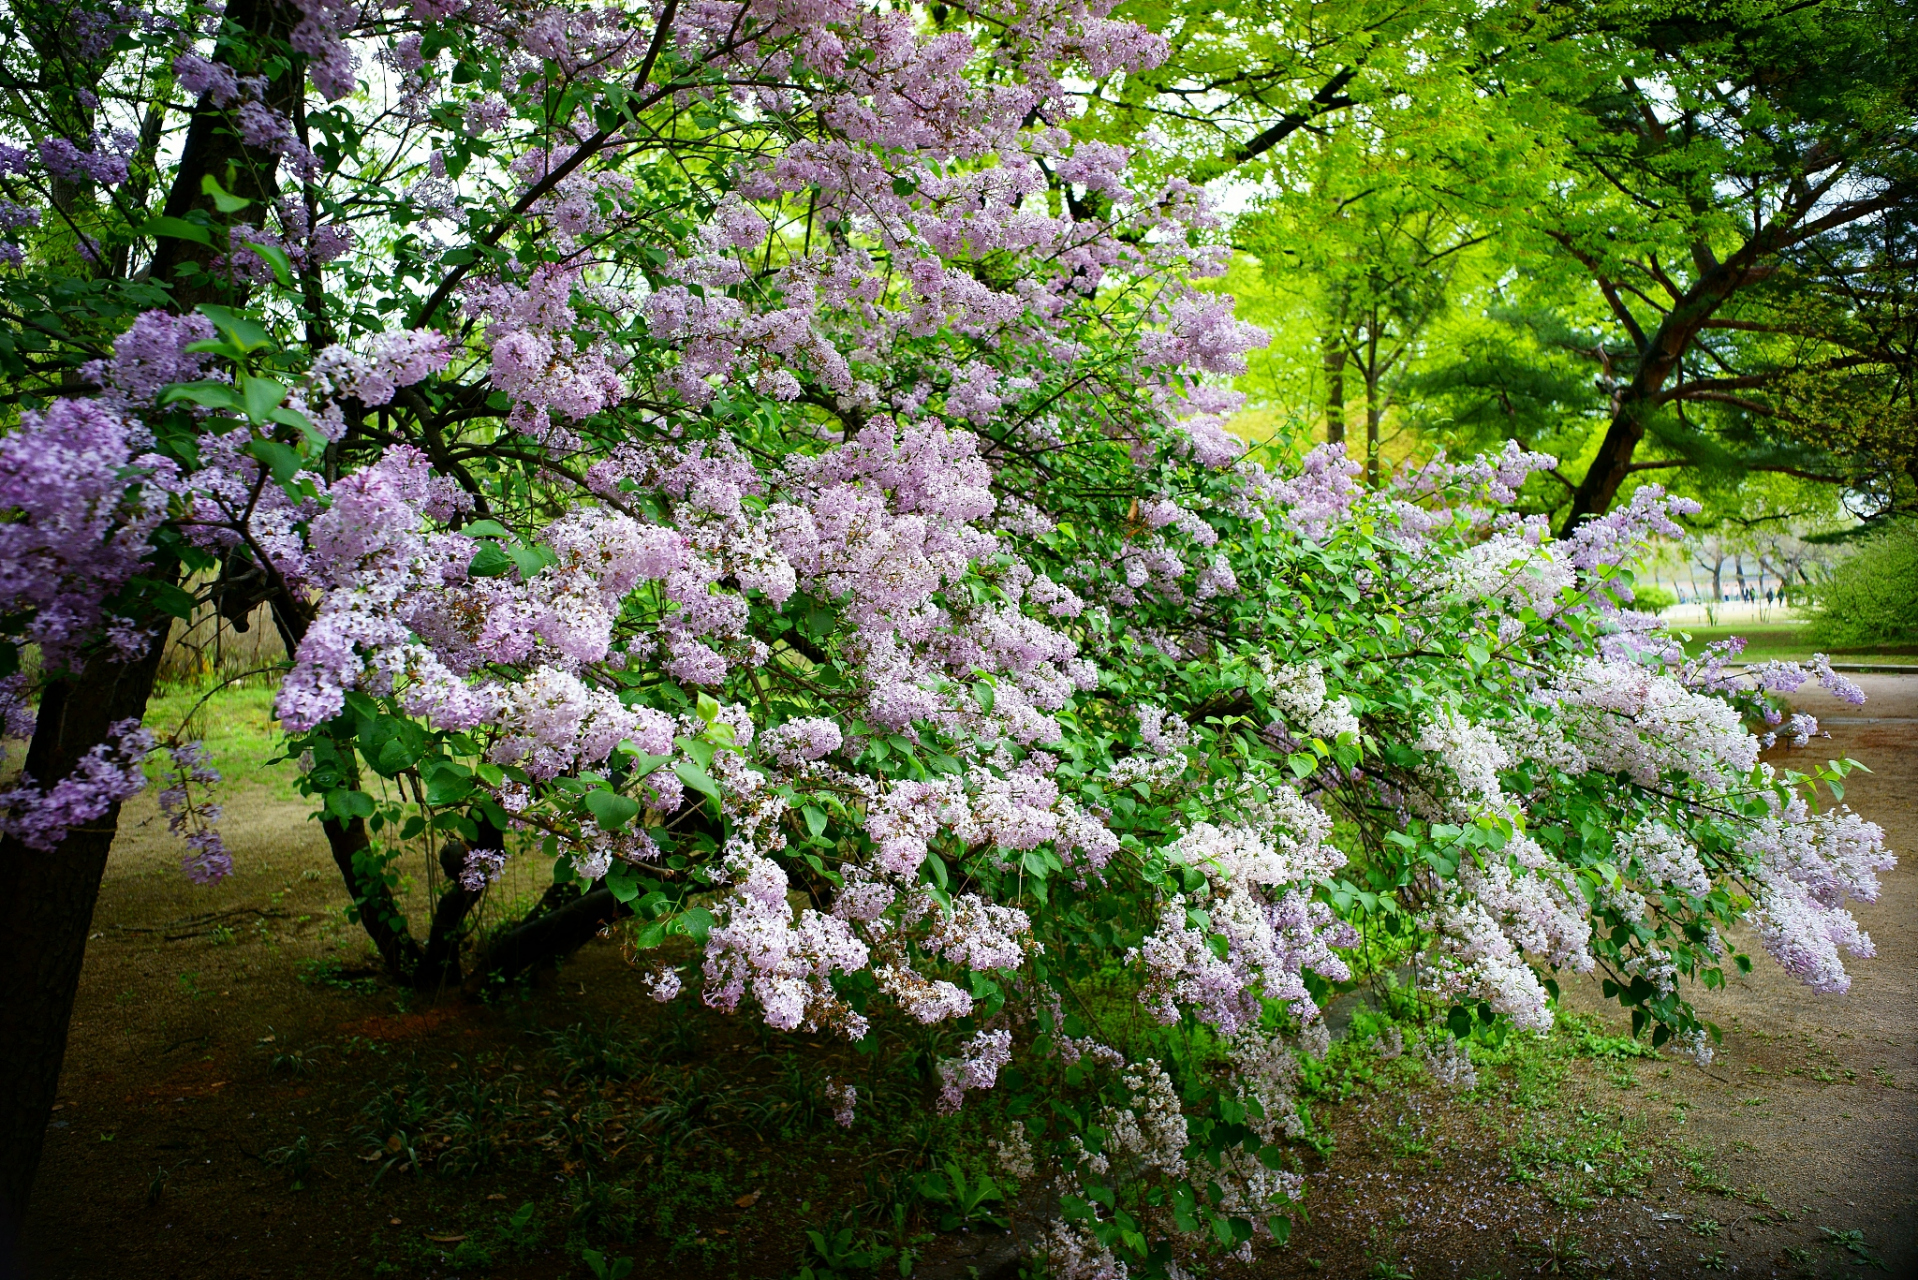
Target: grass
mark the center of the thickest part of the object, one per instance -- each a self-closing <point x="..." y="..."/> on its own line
<point x="1787" y="642"/>
<point x="234" y="721"/>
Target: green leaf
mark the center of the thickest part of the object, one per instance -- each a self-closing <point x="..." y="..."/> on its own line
<point x="611" y="810"/>
<point x="1302" y="764"/>
<point x="529" y="560"/>
<point x="489" y="562"/>
<point x="985" y="693"/>
<point x="448" y="783"/>
<point x="815" y="820"/>
<point x="223" y="200"/>
<point x="347" y="805"/>
<point x="1478" y="654"/>
<point x="622" y="878"/>
<point x="177" y="229"/>
<point x="644" y="764"/>
<point x="695" y="923"/>
<point x="166" y="597"/>
<point x="209" y="395"/>
<point x="276" y="258"/>
<point x="696" y="778"/>
<point x="282" y="460"/>
<point x="246" y="334"/>
<point x="486" y="529"/>
<point x="262" y="396"/>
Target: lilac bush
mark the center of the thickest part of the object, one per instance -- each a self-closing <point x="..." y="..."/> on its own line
<point x="750" y="454"/>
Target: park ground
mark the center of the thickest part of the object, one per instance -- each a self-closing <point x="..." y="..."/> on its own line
<point x="243" y="1097"/>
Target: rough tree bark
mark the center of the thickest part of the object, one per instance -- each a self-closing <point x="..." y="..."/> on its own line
<point x="46" y="910"/>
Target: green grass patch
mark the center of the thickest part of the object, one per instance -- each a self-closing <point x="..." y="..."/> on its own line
<point x="1788" y="642"/>
<point x="235" y="722"/>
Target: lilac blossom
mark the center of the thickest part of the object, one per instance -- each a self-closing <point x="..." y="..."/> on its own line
<point x="481" y="868"/>
<point x="83" y="502"/>
<point x="977" y="1067"/>
<point x="40" y="817"/>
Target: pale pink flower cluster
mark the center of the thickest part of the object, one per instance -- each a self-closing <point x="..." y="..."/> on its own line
<point x="1663" y="857"/>
<point x="976" y="1067"/>
<point x="1517" y="903"/>
<point x="1465" y="760"/>
<point x="482" y="868"/>
<point x="538" y="361"/>
<point x="1450" y="1063"/>
<point x="1809" y="866"/>
<point x="1018" y="811"/>
<point x="1620" y="716"/>
<point x="112" y="772"/>
<point x="844" y="1098"/>
<point x="79" y="499"/>
<point x="1299" y="692"/>
<point x="398" y="358"/>
<point x="1513" y="569"/>
<point x="757" y="946"/>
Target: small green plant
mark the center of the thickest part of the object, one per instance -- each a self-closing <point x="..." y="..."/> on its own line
<point x="295" y="1160"/>
<point x="522" y="1232"/>
<point x="841" y="1253"/>
<point x="1714" y="1261"/>
<point x="1555" y="1255"/>
<point x="324" y="971"/>
<point x="223" y="936"/>
<point x="1701" y="1175"/>
<point x="301" y="1061"/>
<point x="1705" y="1227"/>
<point x="962" y="1201"/>
<point x="1852" y="1242"/>
<point x="604" y="1268"/>
<point x="594" y="1051"/>
<point x="599" y="1205"/>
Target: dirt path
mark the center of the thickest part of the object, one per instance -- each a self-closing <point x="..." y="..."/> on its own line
<point x="1814" y="1099"/>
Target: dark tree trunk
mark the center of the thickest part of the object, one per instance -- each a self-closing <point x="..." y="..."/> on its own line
<point x="214" y="150"/>
<point x="1332" y="356"/>
<point x="1374" y="408"/>
<point x="561" y="924"/>
<point x="47" y="899"/>
<point x="1659" y="356"/>
<point x="46" y="910"/>
<point x="439" y="967"/>
<point x="372" y="899"/>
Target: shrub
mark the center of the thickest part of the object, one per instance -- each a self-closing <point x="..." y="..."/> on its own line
<point x="1872" y="596"/>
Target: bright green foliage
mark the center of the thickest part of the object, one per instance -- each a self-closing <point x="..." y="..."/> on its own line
<point x="1872" y="595"/>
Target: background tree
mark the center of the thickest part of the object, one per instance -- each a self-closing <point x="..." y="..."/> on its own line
<point x="1660" y="191"/>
